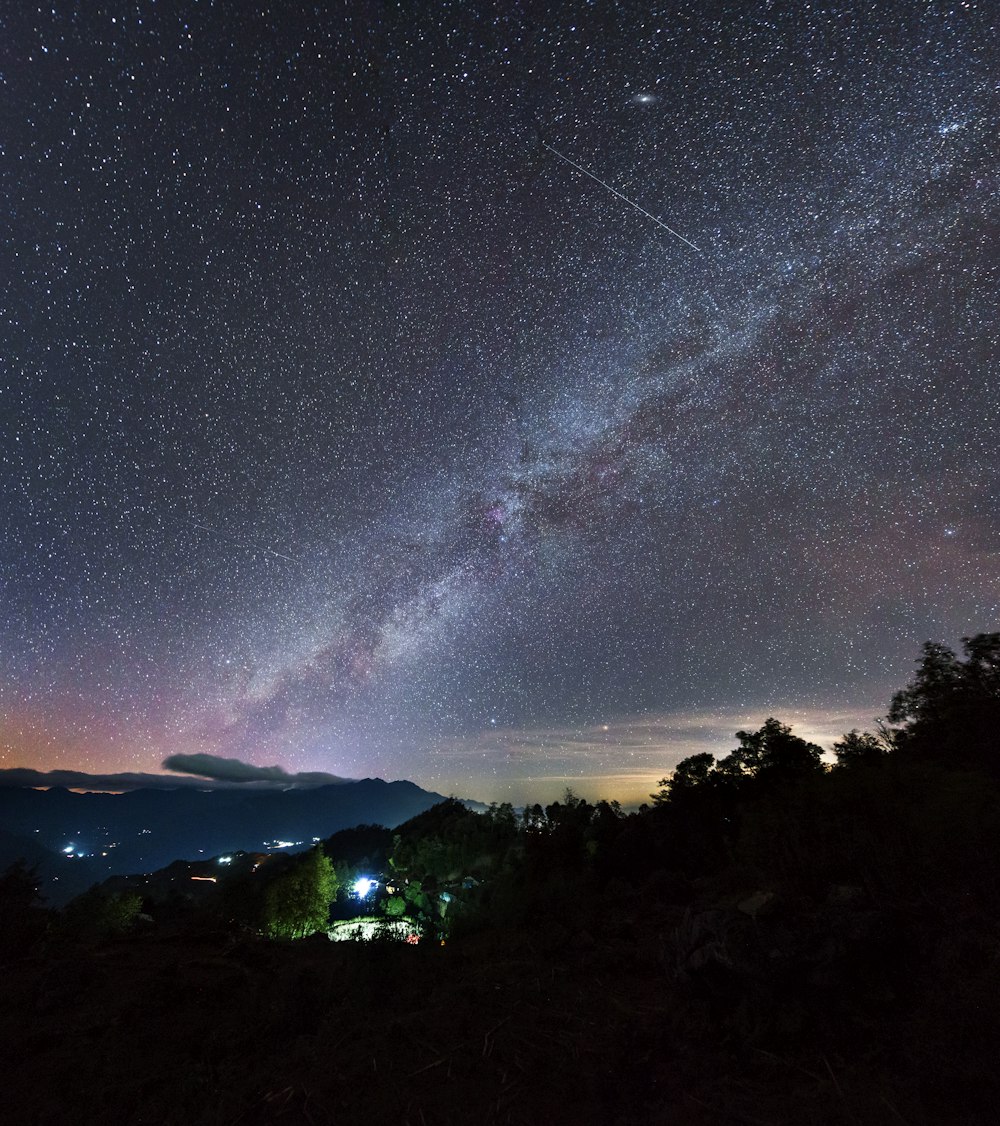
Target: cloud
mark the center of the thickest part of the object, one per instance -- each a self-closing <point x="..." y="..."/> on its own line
<point x="218" y="769"/>
<point x="82" y="780"/>
<point x="197" y="772"/>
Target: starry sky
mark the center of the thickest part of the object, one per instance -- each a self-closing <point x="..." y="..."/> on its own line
<point x="353" y="420"/>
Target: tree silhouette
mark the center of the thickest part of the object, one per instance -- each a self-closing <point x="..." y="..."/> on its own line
<point x="951" y="710"/>
<point x="689" y="773"/>
<point x="859" y="746"/>
<point x="772" y="752"/>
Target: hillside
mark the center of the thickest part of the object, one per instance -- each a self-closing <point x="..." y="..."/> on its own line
<point x="143" y="830"/>
<point x="772" y="941"/>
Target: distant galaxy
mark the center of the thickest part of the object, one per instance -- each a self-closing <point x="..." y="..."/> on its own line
<point x="349" y="425"/>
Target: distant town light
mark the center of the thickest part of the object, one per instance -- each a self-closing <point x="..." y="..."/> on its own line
<point x="225" y="860"/>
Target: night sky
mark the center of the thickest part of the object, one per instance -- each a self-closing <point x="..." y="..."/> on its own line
<point x="346" y="426"/>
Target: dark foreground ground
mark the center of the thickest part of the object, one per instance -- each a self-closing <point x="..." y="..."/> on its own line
<point x="701" y="1016"/>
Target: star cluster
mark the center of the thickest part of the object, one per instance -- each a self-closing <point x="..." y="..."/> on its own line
<point x="345" y="425"/>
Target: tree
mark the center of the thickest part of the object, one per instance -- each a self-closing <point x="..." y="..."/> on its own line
<point x="395" y="906"/>
<point x="688" y="773"/>
<point x="859" y="746"/>
<point x="926" y="698"/>
<point x="772" y="752"/>
<point x="571" y="813"/>
<point x="98" y="914"/>
<point x="951" y="710"/>
<point x="297" y="901"/>
<point x="533" y="817"/>
<point x="503" y="817"/>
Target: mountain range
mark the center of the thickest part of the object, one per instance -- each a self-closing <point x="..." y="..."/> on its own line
<point x="77" y="839"/>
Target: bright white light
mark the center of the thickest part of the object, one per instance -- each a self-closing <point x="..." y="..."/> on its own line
<point x="225" y="860"/>
<point x="68" y="850"/>
<point x="363" y="886"/>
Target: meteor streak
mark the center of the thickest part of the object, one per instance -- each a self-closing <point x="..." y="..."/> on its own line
<point x="238" y="543"/>
<point x="614" y="191"/>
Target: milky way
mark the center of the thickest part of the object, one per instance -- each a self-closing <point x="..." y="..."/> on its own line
<point x="346" y="426"/>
